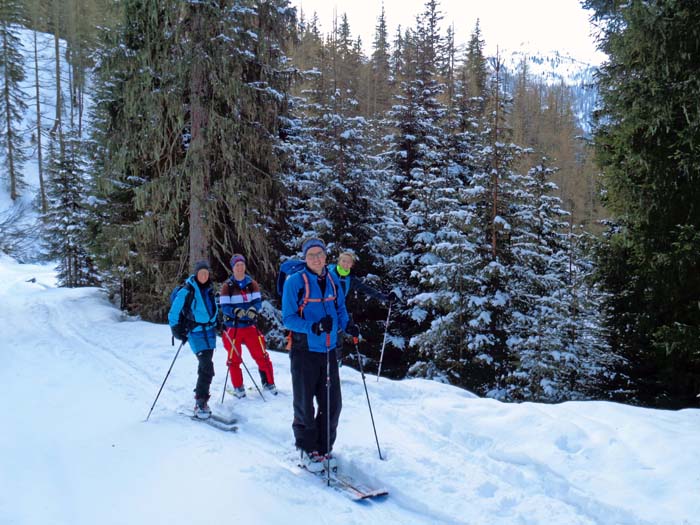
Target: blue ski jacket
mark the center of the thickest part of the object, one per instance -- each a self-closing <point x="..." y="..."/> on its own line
<point x="203" y="309"/>
<point x="303" y="304"/>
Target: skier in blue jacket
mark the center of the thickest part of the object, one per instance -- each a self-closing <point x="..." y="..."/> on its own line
<point x="313" y="309"/>
<point x="198" y="326"/>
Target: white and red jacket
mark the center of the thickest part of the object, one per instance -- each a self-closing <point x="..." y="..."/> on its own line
<point x="244" y="295"/>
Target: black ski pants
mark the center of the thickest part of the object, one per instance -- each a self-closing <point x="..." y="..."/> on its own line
<point x="311" y="430"/>
<point x="205" y="373"/>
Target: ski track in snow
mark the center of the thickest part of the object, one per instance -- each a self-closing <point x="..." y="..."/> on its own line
<point x="91" y="375"/>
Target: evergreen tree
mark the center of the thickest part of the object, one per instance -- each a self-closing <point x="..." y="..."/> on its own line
<point x="447" y="282"/>
<point x="12" y="105"/>
<point x="419" y="164"/>
<point x="603" y="373"/>
<point x="66" y="219"/>
<point x="398" y="59"/>
<point x="37" y="15"/>
<point x="475" y="67"/>
<point x="542" y="322"/>
<point x="488" y="358"/>
<point x="190" y="120"/>
<point x="646" y="143"/>
<point x="380" y="64"/>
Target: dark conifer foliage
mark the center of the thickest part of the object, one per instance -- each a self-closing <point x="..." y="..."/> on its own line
<point x="190" y="121"/>
<point x="12" y="102"/>
<point x="647" y="144"/>
<point x="65" y="221"/>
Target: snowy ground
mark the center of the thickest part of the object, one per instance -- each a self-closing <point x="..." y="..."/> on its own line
<point x="78" y="379"/>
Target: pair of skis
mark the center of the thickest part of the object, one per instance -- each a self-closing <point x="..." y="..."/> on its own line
<point x="348" y="486"/>
<point x="216" y="421"/>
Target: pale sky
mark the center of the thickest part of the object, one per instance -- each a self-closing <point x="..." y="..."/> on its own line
<point x="542" y="25"/>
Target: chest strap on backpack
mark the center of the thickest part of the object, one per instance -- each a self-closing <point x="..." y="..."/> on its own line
<point x="307" y="293"/>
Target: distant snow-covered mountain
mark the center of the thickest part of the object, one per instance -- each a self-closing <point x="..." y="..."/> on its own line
<point x="552" y="68"/>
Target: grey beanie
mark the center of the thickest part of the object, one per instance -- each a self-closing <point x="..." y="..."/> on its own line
<point x="201" y="265"/>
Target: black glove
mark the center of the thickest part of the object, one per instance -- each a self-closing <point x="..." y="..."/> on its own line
<point x="393" y="298"/>
<point x="251" y="312"/>
<point x="239" y="312"/>
<point x="220" y="327"/>
<point x="179" y="333"/>
<point x="352" y="329"/>
<point x="324" y="325"/>
<point x="327" y="323"/>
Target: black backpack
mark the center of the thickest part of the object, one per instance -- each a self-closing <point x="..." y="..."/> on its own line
<point x="185" y="319"/>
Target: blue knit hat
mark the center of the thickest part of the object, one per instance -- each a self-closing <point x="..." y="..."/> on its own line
<point x="310" y="243"/>
<point x="237" y="257"/>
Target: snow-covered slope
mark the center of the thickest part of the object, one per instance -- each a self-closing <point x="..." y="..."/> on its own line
<point x="78" y="378"/>
<point x="553" y="68"/>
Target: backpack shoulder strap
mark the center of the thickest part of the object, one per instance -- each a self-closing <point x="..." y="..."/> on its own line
<point x="229" y="281"/>
<point x="335" y="288"/>
<point x="190" y="294"/>
<point x="186" y="310"/>
<point x="307" y="293"/>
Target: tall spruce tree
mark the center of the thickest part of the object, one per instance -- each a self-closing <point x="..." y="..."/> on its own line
<point x="12" y="105"/>
<point x="65" y="231"/>
<point x="447" y="282"/>
<point x="419" y="163"/>
<point x="190" y="119"/>
<point x="476" y="69"/>
<point x="380" y="69"/>
<point x="37" y="15"/>
<point x="542" y="317"/>
<point x="646" y="142"/>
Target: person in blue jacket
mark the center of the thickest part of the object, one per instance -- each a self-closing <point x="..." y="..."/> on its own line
<point x="198" y="326"/>
<point x="313" y="309"/>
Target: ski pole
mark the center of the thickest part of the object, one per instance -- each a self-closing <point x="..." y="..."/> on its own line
<point x="362" y="373"/>
<point x="386" y="329"/>
<point x="233" y="347"/>
<point x="223" y="394"/>
<point x="328" y="408"/>
<point x="164" y="380"/>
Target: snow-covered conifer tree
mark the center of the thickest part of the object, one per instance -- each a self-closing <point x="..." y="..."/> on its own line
<point x="66" y="226"/>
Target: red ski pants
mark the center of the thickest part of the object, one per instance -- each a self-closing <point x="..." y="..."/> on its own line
<point x="254" y="341"/>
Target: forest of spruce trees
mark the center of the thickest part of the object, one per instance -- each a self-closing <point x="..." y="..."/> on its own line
<point x="533" y="263"/>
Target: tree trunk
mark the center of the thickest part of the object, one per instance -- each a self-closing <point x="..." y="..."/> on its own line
<point x="200" y="171"/>
<point x="42" y="188"/>
<point x="494" y="236"/>
<point x="8" y="117"/>
<point x="58" y="124"/>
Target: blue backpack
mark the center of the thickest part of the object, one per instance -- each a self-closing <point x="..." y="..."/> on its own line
<point x="287" y="268"/>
